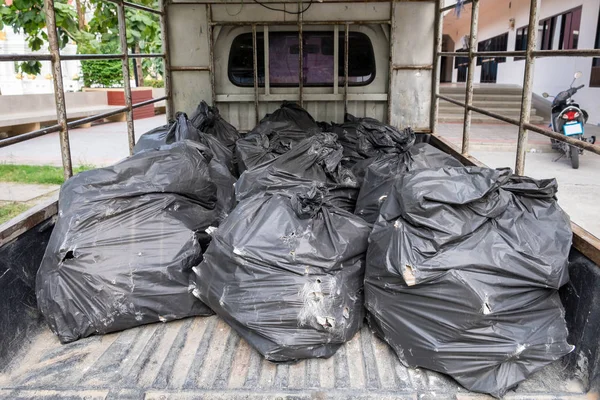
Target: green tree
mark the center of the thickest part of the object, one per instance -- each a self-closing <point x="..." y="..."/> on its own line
<point x="101" y="73"/>
<point x="28" y="16"/>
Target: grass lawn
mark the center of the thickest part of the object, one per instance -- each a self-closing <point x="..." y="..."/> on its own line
<point x="41" y="174"/>
<point x="11" y="210"/>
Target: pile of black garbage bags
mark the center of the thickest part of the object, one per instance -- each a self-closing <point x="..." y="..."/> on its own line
<point x="455" y="267"/>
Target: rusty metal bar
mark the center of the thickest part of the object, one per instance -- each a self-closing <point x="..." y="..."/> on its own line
<point x="59" y="91"/>
<point x="517" y="53"/>
<point x="107" y="114"/>
<point x="435" y="73"/>
<point x="453" y="6"/>
<point x="29" y="135"/>
<point x="411" y="67"/>
<point x="336" y="59"/>
<point x="126" y="75"/>
<point x="246" y="23"/>
<point x="391" y="60"/>
<point x="266" y="59"/>
<point x="300" y="57"/>
<point x="534" y="128"/>
<point x="346" y="49"/>
<point x="56" y="128"/>
<point x="470" y="76"/>
<point x="567" y="53"/>
<point x="74" y="57"/>
<point x="25" y="57"/>
<point x="211" y="54"/>
<point x="164" y="33"/>
<point x="187" y="69"/>
<point x="255" y="72"/>
<point x="527" y="86"/>
<point x="137" y="6"/>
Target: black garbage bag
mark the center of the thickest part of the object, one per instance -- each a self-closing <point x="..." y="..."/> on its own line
<point x="463" y="268"/>
<point x="208" y="120"/>
<point x="314" y="161"/>
<point x="156" y="137"/>
<point x="292" y="113"/>
<point x="384" y="170"/>
<point x="267" y="141"/>
<point x="366" y="138"/>
<point x="125" y="241"/>
<point x="286" y="272"/>
<point x="182" y="129"/>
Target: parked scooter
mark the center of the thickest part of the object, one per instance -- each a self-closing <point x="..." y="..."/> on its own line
<point x="569" y="119"/>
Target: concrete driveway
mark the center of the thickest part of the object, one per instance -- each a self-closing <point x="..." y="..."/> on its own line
<point x="578" y="189"/>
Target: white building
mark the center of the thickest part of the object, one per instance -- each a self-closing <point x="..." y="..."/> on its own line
<point x="564" y="24"/>
<point x="12" y="83"/>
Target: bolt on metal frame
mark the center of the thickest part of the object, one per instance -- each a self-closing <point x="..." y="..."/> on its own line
<point x="530" y="55"/>
<point x="55" y="58"/>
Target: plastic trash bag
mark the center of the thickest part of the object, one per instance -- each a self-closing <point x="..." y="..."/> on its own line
<point x="276" y="134"/>
<point x="291" y="112"/>
<point x="286" y="272"/>
<point x="268" y="140"/>
<point x="125" y="241"/>
<point x="182" y="129"/>
<point x="365" y="138"/>
<point x="314" y="161"/>
<point x="384" y="170"/>
<point x="462" y="274"/>
<point x="208" y="120"/>
<point x="156" y="137"/>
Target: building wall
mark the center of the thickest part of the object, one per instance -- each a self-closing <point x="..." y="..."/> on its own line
<point x="14" y="43"/>
<point x="551" y="74"/>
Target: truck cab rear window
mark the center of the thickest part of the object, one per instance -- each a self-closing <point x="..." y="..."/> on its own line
<point x="318" y="57"/>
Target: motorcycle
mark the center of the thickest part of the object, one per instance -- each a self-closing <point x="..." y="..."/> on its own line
<point x="569" y="119"/>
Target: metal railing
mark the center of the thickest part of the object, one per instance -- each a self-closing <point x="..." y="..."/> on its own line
<point x="530" y="55"/>
<point x="55" y="59"/>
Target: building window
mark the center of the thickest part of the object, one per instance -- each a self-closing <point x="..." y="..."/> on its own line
<point x="569" y="33"/>
<point x="547" y="33"/>
<point x="521" y="41"/>
<point x="568" y="25"/>
<point x="497" y="43"/>
<point x="595" y="78"/>
<point x="317" y="49"/>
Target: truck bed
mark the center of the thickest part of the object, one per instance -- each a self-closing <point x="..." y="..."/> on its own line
<point x="204" y="358"/>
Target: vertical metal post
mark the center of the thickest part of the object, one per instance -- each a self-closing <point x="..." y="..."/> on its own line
<point x="300" y="56"/>
<point x="336" y="58"/>
<point x="126" y="75"/>
<point x="391" y="71"/>
<point x="435" y="73"/>
<point x="166" y="59"/>
<point x="59" y="94"/>
<point x="470" y="76"/>
<point x="346" y="41"/>
<point x="255" y="71"/>
<point x="527" y="86"/>
<point x="211" y="54"/>
<point x="266" y="60"/>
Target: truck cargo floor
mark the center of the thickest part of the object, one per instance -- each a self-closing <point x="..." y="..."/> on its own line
<point x="204" y="358"/>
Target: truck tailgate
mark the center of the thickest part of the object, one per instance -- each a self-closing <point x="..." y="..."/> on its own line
<point x="204" y="358"/>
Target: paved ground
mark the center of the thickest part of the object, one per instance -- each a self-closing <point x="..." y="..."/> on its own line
<point x="493" y="144"/>
<point x="99" y="145"/>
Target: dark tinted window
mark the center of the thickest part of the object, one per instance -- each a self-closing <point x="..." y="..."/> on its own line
<point x="497" y="43"/>
<point x="521" y="41"/>
<point x="595" y="76"/>
<point x="317" y="49"/>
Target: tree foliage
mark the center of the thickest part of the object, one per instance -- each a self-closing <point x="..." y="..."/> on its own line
<point x="101" y="73"/>
<point x="28" y="16"/>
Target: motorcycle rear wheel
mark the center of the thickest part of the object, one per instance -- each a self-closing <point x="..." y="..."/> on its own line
<point x="574" y="157"/>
